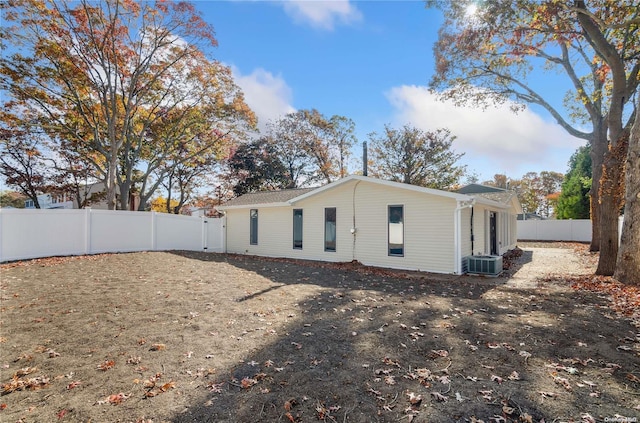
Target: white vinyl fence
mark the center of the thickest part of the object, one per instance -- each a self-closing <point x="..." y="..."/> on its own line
<point x="557" y="230"/>
<point x="35" y="233"/>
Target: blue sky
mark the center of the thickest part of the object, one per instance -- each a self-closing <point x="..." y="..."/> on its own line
<point x="371" y="61"/>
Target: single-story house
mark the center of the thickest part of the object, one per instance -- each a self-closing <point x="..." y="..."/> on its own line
<point x="376" y="222"/>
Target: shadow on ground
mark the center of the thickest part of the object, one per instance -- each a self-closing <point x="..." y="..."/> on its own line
<point x="367" y="344"/>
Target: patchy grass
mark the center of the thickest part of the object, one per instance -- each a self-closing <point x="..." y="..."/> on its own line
<point x="190" y="337"/>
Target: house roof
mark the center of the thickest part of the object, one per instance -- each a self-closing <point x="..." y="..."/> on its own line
<point x="478" y="189"/>
<point x="292" y="196"/>
<point x="266" y="197"/>
<point x="500" y="197"/>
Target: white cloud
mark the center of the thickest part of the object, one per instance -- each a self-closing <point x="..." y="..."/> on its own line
<point x="495" y="140"/>
<point x="268" y="96"/>
<point x="322" y="14"/>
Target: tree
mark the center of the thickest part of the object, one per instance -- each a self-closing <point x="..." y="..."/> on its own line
<point x="537" y="193"/>
<point x="22" y="163"/>
<point x="124" y="83"/>
<point x="628" y="267"/>
<point x="489" y="56"/>
<point x="574" y="201"/>
<point x="342" y="138"/>
<point x="416" y="157"/>
<point x="256" y="166"/>
<point x="314" y="148"/>
<point x="12" y="199"/>
<point x="163" y="205"/>
<point x="549" y="184"/>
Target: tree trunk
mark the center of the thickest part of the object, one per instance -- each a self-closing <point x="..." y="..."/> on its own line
<point x="111" y="180"/>
<point x="598" y="151"/>
<point x="628" y="265"/>
<point x="125" y="188"/>
<point x="609" y="203"/>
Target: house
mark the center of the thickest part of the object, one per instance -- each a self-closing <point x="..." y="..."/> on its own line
<point x="51" y="201"/>
<point x="92" y="195"/>
<point x="375" y="222"/>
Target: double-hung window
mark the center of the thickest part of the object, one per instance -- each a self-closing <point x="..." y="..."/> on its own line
<point x="396" y="231"/>
<point x="330" y="229"/>
<point x="297" y="229"/>
<point x="253" y="226"/>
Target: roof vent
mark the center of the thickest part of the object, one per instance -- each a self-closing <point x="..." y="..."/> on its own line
<point x="484" y="265"/>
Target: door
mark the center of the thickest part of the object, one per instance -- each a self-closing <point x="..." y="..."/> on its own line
<point x="493" y="233"/>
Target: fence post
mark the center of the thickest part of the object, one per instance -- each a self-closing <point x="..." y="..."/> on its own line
<point x="205" y="233"/>
<point x="223" y="233"/>
<point x="87" y="230"/>
<point x="154" y="228"/>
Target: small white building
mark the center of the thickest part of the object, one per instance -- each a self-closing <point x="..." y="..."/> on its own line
<point x="375" y="222"/>
<point x="51" y="201"/>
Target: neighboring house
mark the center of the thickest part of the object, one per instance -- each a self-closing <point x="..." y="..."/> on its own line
<point x="50" y="201"/>
<point x="94" y="194"/>
<point x="375" y="222"/>
<point x="530" y="216"/>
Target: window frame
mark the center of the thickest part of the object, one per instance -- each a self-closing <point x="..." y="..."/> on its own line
<point x="335" y="235"/>
<point x="389" y="249"/>
<point x="300" y="247"/>
<point x="253" y="227"/>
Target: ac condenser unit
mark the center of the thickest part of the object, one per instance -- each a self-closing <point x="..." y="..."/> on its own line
<point x="484" y="265"/>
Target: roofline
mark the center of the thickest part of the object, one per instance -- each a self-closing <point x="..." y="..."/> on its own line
<point x="339" y="182"/>
<point x="252" y="206"/>
<point x="400" y="185"/>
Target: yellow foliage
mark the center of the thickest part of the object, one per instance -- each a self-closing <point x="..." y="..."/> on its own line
<point x="159" y="204"/>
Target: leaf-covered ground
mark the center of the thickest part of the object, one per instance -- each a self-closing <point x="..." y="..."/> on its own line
<point x="190" y="337"/>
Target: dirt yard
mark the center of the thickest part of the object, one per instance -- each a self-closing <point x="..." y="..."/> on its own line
<point x="190" y="337"/>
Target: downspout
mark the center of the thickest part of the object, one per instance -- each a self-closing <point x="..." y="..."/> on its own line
<point x="354" y="228"/>
<point x="457" y="234"/>
<point x="472" y="236"/>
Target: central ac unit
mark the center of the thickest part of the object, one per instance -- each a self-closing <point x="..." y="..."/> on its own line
<point x="484" y="265"/>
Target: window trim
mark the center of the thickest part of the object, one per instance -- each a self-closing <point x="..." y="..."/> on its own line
<point x="301" y="229"/>
<point x="335" y="222"/>
<point x="253" y="233"/>
<point x="389" y="253"/>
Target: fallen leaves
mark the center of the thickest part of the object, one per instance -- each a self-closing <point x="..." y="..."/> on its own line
<point x="18" y="383"/>
<point x="439" y="397"/>
<point x="114" y="399"/>
<point x="73" y="385"/>
<point x="247" y="382"/>
<point x="106" y="365"/>
<point x="438" y="353"/>
<point x="153" y="387"/>
<point x="625" y="298"/>
<point x="158" y="347"/>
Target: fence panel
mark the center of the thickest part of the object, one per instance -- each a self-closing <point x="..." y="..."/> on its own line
<point x="26" y="234"/>
<point x="41" y="233"/>
<point x="174" y="232"/>
<point x="555" y="230"/>
<point x="121" y="231"/>
<point x="558" y="230"/>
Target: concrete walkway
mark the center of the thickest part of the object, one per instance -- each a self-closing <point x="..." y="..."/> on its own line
<point x="538" y="262"/>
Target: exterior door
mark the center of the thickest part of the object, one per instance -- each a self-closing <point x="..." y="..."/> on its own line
<point x="493" y="233"/>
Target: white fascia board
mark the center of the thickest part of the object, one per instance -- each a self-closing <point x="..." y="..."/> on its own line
<point x="252" y="206"/>
<point x="398" y="185"/>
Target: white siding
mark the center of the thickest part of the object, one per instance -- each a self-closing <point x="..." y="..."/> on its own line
<point x="428" y="228"/>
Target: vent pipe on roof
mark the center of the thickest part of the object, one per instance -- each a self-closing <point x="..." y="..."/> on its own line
<point x="364" y="159"/>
